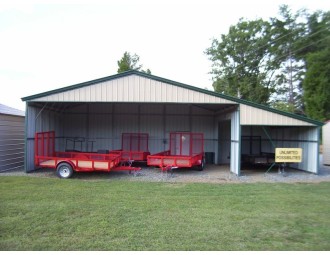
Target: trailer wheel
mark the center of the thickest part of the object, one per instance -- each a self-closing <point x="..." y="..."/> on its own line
<point x="64" y="170"/>
<point x="201" y="166"/>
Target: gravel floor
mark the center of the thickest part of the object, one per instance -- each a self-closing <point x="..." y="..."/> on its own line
<point x="211" y="174"/>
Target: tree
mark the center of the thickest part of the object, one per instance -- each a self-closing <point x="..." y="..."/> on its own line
<point x="281" y="62"/>
<point x="130" y="62"/>
<point x="317" y="85"/>
<point x="316" y="35"/>
<point x="316" y="55"/>
<point x="243" y="64"/>
<point x="288" y="31"/>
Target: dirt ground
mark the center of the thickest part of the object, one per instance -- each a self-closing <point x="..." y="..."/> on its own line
<point x="211" y="174"/>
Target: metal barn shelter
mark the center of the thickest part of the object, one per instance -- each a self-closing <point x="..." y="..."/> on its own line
<point x="97" y="112"/>
<point x="11" y="138"/>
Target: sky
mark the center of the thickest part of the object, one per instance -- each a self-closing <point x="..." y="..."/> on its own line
<point x="46" y="45"/>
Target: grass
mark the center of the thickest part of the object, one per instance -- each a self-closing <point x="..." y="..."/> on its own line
<point x="56" y="214"/>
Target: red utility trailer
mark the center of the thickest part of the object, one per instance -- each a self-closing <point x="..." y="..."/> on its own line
<point x="66" y="163"/>
<point x="134" y="147"/>
<point x="186" y="150"/>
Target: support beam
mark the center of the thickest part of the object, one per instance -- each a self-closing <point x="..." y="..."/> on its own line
<point x="271" y="141"/>
<point x="268" y="136"/>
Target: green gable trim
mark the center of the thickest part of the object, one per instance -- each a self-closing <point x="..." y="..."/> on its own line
<point x="178" y="84"/>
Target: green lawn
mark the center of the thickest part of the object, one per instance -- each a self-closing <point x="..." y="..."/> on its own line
<point x="57" y="214"/>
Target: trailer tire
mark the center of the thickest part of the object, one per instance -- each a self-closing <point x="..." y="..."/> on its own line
<point x="201" y="166"/>
<point x="64" y="170"/>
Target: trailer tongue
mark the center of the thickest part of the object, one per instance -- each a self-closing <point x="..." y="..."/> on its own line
<point x="66" y="163"/>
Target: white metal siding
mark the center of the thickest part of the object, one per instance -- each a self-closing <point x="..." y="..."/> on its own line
<point x="326" y="143"/>
<point x="309" y="143"/>
<point x="100" y="132"/>
<point x="39" y="120"/>
<point x="229" y="138"/>
<point x="205" y="125"/>
<point x="235" y="153"/>
<point x="255" y="116"/>
<point x="152" y="121"/>
<point x="132" y="88"/>
<point x="11" y="142"/>
<point x="154" y="126"/>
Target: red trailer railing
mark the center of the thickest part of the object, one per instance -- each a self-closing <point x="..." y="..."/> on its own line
<point x="134" y="146"/>
<point x="44" y="145"/>
<point x="186" y="150"/>
<point x="67" y="162"/>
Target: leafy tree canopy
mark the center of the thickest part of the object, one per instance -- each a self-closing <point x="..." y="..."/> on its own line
<point x="130" y="62"/>
<point x="316" y="85"/>
<point x="278" y="62"/>
<point x="242" y="61"/>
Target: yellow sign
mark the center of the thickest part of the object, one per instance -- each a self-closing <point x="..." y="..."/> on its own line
<point x="288" y="155"/>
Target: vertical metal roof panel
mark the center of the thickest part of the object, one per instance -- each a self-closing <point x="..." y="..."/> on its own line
<point x="131" y="88"/>
<point x="255" y="116"/>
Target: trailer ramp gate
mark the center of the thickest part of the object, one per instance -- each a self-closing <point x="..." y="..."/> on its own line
<point x="186" y="151"/>
<point x="134" y="147"/>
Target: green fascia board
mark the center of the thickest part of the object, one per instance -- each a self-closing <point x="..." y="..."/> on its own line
<point x="182" y="85"/>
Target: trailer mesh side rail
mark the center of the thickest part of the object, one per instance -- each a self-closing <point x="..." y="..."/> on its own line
<point x="134" y="147"/>
<point x="46" y="156"/>
<point x="186" y="150"/>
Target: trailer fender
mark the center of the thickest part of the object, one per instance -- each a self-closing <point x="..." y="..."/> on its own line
<point x="68" y="162"/>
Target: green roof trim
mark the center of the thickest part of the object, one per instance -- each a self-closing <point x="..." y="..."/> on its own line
<point x="182" y="85"/>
